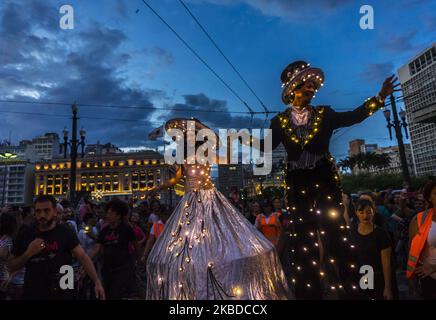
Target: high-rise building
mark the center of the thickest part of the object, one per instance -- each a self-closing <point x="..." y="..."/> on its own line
<point x="16" y="174"/>
<point x="355" y="147"/>
<point x="418" y="82"/>
<point x="46" y="146"/>
<point x="18" y="186"/>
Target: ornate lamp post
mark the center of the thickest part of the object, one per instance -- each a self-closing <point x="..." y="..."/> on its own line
<point x="397" y="125"/>
<point x="74" y="145"/>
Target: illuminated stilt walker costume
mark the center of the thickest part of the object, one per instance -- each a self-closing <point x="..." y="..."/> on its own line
<point x="315" y="250"/>
<point x="209" y="250"/>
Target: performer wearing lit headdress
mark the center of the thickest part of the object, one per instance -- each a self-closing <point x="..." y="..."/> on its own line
<point x="208" y="249"/>
<point x="315" y="249"/>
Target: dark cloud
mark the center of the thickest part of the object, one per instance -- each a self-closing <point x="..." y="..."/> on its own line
<point x="159" y="57"/>
<point x="85" y="67"/>
<point x="90" y="66"/>
<point x="377" y="72"/>
<point x="212" y="112"/>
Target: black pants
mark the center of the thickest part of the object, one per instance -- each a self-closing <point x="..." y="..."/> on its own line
<point x="314" y="197"/>
<point x="428" y="287"/>
<point x="119" y="283"/>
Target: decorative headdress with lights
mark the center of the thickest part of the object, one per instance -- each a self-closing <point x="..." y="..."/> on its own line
<point x="182" y="124"/>
<point x="296" y="74"/>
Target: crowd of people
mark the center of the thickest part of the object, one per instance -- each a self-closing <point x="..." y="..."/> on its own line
<point x="382" y="225"/>
<point x="114" y="236"/>
<point x="107" y="243"/>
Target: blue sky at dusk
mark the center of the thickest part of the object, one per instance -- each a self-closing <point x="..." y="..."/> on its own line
<point x="117" y="55"/>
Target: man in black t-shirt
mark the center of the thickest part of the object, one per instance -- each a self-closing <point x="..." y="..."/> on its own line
<point x="118" y="245"/>
<point x="44" y="249"/>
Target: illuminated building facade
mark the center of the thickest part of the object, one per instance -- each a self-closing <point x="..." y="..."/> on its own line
<point x="121" y="174"/>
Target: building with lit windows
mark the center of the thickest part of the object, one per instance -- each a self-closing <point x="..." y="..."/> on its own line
<point x="121" y="174"/>
<point x="418" y="83"/>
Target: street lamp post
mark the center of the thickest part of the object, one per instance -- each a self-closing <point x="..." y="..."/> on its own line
<point x="5" y="157"/>
<point x="74" y="145"/>
<point x="397" y="125"/>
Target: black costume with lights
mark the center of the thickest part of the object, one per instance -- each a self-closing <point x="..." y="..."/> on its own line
<point x="313" y="193"/>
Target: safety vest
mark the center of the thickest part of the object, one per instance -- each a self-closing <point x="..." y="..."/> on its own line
<point x="157" y="229"/>
<point x="424" y="220"/>
<point x="270" y="230"/>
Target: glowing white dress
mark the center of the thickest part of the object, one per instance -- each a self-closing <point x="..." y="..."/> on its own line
<point x="209" y="250"/>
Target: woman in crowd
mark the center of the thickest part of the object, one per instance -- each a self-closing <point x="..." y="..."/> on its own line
<point x="373" y="248"/>
<point x="254" y="210"/>
<point x="276" y="203"/>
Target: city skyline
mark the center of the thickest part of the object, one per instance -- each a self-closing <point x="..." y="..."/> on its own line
<point x="120" y="54"/>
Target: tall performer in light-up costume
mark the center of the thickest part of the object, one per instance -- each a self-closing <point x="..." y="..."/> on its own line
<point x="208" y="249"/>
<point x="315" y="250"/>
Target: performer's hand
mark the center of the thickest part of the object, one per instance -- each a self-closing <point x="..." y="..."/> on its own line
<point x="388" y="87"/>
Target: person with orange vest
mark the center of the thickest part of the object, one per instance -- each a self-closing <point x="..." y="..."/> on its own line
<point x="422" y="253"/>
<point x="155" y="232"/>
<point x="268" y="223"/>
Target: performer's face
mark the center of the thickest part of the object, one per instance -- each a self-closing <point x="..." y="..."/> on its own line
<point x="305" y="93"/>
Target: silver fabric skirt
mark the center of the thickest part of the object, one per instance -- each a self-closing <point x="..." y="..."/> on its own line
<point x="210" y="251"/>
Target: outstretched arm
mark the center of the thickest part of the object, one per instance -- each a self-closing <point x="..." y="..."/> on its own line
<point x="371" y="105"/>
<point x="276" y="136"/>
<point x="168" y="184"/>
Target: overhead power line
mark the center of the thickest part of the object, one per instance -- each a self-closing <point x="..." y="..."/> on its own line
<point x="198" y="56"/>
<point x="126" y="107"/>
<point x="222" y="54"/>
